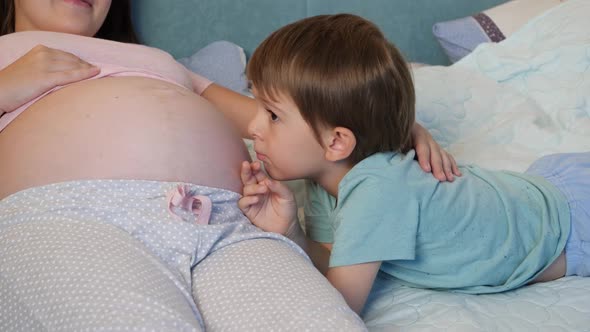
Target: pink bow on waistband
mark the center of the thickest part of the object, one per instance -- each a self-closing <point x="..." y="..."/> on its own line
<point x="199" y="205"/>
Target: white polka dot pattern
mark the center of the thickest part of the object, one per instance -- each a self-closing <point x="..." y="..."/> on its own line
<point x="255" y="284"/>
<point x="65" y="275"/>
<point x="68" y="262"/>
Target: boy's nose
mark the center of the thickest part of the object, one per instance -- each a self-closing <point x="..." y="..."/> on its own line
<point x="252" y="128"/>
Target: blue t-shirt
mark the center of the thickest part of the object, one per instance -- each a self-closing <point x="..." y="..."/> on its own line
<point x="488" y="231"/>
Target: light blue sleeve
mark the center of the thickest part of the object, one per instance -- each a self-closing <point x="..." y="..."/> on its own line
<point x="375" y="222"/>
<point x="317" y="208"/>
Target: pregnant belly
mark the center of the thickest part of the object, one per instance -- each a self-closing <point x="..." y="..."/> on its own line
<point x="120" y="128"/>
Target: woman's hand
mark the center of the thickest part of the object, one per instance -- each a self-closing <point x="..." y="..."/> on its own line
<point x="39" y="70"/>
<point x="269" y="204"/>
<point x="431" y="157"/>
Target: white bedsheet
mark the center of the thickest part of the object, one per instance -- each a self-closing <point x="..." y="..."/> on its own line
<point x="506" y="104"/>
<point x="501" y="107"/>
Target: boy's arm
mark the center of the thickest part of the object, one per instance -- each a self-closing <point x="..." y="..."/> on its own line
<point x="241" y="109"/>
<point x="354" y="282"/>
<point x="320" y="255"/>
<point x="236" y="107"/>
<point x="318" y="252"/>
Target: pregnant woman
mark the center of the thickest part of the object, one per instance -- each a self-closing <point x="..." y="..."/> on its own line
<point x="119" y="186"/>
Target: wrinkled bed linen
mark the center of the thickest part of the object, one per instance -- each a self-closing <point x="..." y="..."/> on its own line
<point x="121" y="254"/>
<point x="502" y="107"/>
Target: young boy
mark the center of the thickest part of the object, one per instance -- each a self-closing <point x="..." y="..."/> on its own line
<point x="336" y="106"/>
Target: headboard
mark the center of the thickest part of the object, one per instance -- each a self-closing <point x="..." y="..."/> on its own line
<point x="183" y="26"/>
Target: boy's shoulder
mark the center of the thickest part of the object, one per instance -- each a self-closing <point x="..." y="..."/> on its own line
<point x="380" y="169"/>
<point x="385" y="177"/>
<point x="376" y="178"/>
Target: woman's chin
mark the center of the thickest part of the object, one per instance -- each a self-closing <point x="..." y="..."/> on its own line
<point x="80" y="28"/>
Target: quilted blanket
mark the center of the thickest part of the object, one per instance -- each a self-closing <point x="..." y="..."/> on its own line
<point x="501" y="107"/>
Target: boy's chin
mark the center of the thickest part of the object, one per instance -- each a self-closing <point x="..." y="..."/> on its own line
<point x="273" y="174"/>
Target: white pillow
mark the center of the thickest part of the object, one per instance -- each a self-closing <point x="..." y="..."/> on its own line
<point x="511" y="15"/>
<point x="461" y="36"/>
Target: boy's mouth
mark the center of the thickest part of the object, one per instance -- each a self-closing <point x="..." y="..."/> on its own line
<point x="261" y="157"/>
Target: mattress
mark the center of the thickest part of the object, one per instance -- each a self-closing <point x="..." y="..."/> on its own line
<point x="502" y="107"/>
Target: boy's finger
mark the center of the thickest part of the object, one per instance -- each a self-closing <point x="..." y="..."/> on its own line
<point x="254" y="189"/>
<point x="246" y="174"/>
<point x="246" y="202"/>
<point x="258" y="172"/>
<point x="279" y="188"/>
<point x="255" y="166"/>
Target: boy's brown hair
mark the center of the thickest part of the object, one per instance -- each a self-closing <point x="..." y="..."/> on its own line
<point x="340" y="71"/>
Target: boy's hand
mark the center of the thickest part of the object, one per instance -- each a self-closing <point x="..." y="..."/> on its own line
<point x="269" y="204"/>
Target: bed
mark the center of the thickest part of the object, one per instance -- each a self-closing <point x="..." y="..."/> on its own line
<point x="501" y="104"/>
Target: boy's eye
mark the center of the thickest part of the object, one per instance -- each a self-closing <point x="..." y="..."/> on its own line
<point x="273" y="116"/>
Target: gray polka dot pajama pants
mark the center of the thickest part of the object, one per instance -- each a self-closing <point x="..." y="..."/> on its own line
<point x="123" y="255"/>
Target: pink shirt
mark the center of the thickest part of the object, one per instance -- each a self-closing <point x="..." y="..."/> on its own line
<point x="113" y="59"/>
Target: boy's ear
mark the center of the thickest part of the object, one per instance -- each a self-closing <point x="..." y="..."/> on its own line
<point x="340" y="143"/>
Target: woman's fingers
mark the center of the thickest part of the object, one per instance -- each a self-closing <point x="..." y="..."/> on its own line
<point x="456" y="169"/>
<point x="431" y="157"/>
<point x="450" y="166"/>
<point x="422" y="145"/>
<point x="65" y="68"/>
<point x="447" y="166"/>
<point x="54" y="60"/>
<point x="423" y="155"/>
<point x="73" y="75"/>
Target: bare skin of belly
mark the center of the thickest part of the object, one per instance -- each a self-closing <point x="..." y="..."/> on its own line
<point x="120" y="128"/>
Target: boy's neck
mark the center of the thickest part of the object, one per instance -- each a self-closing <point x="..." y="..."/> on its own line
<point x="330" y="179"/>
